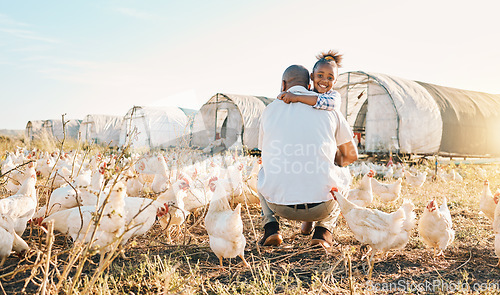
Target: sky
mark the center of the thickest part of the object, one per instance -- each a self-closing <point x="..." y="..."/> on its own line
<point x="104" y="57"/>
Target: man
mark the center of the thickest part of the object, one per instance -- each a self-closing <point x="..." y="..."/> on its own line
<point x="300" y="146"/>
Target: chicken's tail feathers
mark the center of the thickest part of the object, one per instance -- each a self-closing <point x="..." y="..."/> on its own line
<point x="410" y="217"/>
<point x="237" y="210"/>
<point x="408" y="205"/>
<point x="399" y="214"/>
<point x="445" y="210"/>
<point x="219" y="202"/>
<point x="445" y="203"/>
<point x="19" y="245"/>
<point x="398" y="218"/>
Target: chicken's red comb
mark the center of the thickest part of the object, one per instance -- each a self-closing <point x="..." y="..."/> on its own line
<point x="162" y="210"/>
<point x="431" y="205"/>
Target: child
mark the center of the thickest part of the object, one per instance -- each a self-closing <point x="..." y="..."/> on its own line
<point x="323" y="76"/>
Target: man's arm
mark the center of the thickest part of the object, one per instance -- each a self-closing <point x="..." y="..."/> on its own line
<point x="346" y="154"/>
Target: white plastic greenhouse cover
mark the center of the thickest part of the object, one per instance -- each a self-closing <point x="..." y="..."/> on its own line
<point x="200" y="135"/>
<point x="241" y="116"/>
<point x="156" y="127"/>
<point x="33" y="130"/>
<point x="101" y="129"/>
<point x="400" y="114"/>
<point x="72" y="128"/>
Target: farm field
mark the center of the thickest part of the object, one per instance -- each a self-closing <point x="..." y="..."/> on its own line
<point x="183" y="263"/>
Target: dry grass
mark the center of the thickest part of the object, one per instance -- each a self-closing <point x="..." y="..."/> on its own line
<point x="188" y="266"/>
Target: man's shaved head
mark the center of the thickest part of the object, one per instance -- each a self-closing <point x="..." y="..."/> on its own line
<point x="295" y="75"/>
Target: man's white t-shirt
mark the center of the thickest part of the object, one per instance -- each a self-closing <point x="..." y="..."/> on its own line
<point x="298" y="145"/>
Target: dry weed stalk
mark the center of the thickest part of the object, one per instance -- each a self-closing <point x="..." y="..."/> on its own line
<point x="50" y="241"/>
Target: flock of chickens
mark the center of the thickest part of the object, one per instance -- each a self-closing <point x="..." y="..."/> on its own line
<point x="101" y="201"/>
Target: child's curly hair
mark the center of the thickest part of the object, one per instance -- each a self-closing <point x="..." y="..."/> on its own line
<point x="330" y="57"/>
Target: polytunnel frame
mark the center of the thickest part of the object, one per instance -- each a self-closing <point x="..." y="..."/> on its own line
<point x="88" y="125"/>
<point x="217" y="108"/>
<point x="47" y="124"/>
<point x="29" y="131"/>
<point x="143" y="116"/>
<point x="368" y="96"/>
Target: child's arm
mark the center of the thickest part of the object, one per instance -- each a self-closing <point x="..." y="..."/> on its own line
<point x="328" y="101"/>
<point x="322" y="101"/>
<point x="288" y="97"/>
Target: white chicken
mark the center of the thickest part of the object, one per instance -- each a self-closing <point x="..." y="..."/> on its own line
<point x="252" y="177"/>
<point x="486" y="203"/>
<point x="14" y="176"/>
<point x="387" y="192"/>
<point x="224" y="226"/>
<point x="21" y="206"/>
<point x="458" y="176"/>
<point x="62" y="198"/>
<point x="363" y="195"/>
<point x="199" y="194"/>
<point x="44" y="165"/>
<point x="232" y="180"/>
<point x="60" y="177"/>
<point x="80" y="222"/>
<point x="142" y="212"/>
<point x="236" y="185"/>
<point x="435" y="227"/>
<point x="381" y="231"/>
<point x="172" y="213"/>
<point x="18" y="176"/>
<point x="89" y="196"/>
<point x="496" y="227"/>
<point x="161" y="178"/>
<point x="9" y="240"/>
<point x="398" y="171"/>
<point x="415" y="180"/>
<point x="445" y="175"/>
<point x="389" y="173"/>
<point x="135" y="184"/>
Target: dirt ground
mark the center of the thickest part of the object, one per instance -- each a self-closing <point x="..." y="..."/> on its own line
<point x="469" y="264"/>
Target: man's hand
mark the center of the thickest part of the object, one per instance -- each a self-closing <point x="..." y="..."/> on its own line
<point x="287" y="97"/>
